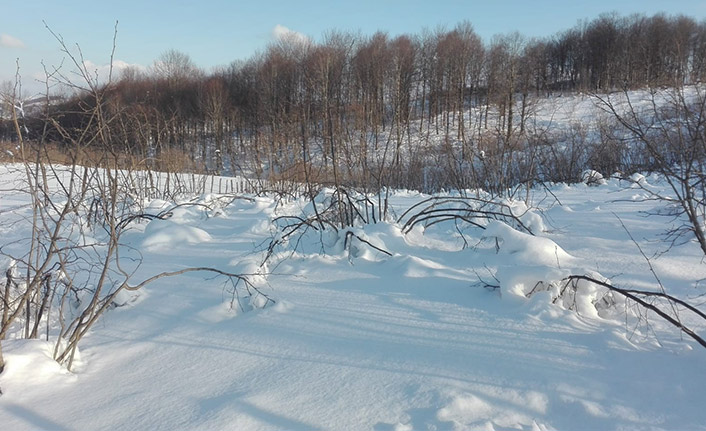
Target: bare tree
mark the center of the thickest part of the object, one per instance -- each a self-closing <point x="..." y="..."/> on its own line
<point x="213" y="102"/>
<point x="58" y="272"/>
<point x="671" y="130"/>
<point x="175" y="67"/>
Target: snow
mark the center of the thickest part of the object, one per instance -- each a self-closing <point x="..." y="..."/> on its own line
<point x="357" y="339"/>
<point x="167" y="234"/>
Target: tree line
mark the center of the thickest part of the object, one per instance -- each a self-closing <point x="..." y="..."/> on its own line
<point x="374" y="111"/>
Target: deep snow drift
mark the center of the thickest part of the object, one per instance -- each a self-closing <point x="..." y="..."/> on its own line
<point x="419" y="340"/>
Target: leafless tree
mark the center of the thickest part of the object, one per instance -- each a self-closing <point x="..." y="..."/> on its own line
<point x="73" y="266"/>
<point x="671" y="130"/>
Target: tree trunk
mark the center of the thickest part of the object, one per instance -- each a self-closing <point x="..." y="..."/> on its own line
<point x="2" y="361"/>
<point x="509" y="115"/>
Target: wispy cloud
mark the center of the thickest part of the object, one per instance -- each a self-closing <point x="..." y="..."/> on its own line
<point x="280" y="32"/>
<point x="10" y="42"/>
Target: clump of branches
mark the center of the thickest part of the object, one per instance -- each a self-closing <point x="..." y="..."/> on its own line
<point x="333" y="211"/>
<point x="469" y="210"/>
<point x="667" y="307"/>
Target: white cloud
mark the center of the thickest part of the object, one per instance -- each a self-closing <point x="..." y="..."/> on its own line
<point x="102" y="71"/>
<point x="10" y="42"/>
<point x="280" y="32"/>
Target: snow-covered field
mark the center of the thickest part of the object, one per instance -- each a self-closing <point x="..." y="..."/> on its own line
<point x="358" y="340"/>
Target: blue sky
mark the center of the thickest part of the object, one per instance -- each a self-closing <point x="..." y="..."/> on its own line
<point x="216" y="32"/>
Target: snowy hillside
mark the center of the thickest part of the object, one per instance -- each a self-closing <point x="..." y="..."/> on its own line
<point x="450" y="332"/>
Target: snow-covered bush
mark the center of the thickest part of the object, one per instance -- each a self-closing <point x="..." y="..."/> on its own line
<point x="473" y="211"/>
<point x="536" y="266"/>
<point x="592" y="178"/>
<point x="331" y="222"/>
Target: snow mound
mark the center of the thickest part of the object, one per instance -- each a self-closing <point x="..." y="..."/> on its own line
<point x="593" y="178"/>
<point x="524" y="280"/>
<point x="470" y="411"/>
<point x="526" y="248"/>
<point x="530" y="219"/>
<point x="638" y="179"/>
<point x="29" y="363"/>
<point x="167" y="234"/>
<point x="128" y="297"/>
<point x="369" y="243"/>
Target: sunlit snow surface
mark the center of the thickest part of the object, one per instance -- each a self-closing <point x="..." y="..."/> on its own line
<point x="364" y="341"/>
